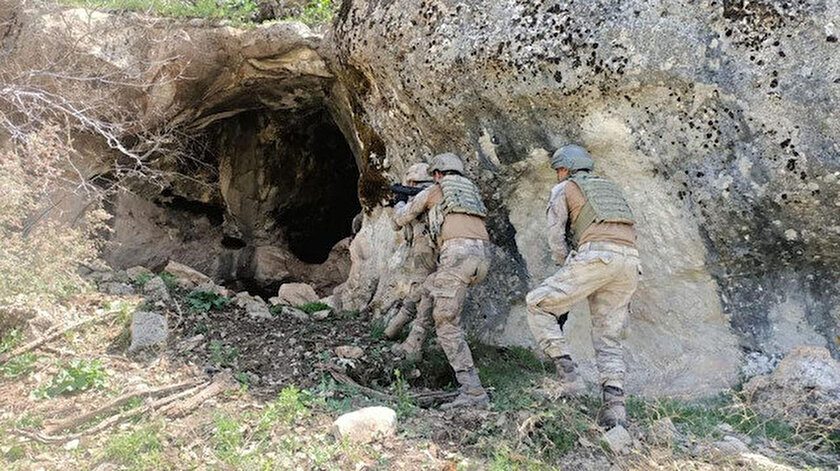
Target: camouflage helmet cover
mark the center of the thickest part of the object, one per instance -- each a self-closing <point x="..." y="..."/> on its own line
<point x="572" y="157"/>
<point x="446" y="162"/>
<point x="419" y="173"/>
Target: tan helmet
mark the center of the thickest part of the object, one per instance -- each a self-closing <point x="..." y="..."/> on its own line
<point x="419" y="173"/>
<point x="446" y="162"/>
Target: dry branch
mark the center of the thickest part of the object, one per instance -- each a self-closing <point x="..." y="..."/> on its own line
<point x="75" y="422"/>
<point x="49" y="337"/>
<point x="422" y="399"/>
<point x="220" y="384"/>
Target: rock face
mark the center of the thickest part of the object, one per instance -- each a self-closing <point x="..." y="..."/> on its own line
<point x="716" y="118"/>
<point x="366" y="425"/>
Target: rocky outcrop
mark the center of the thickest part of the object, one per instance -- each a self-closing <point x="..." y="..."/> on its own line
<point x="716" y="118"/>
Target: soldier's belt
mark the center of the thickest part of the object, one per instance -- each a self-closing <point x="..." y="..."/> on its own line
<point x="608" y="247"/>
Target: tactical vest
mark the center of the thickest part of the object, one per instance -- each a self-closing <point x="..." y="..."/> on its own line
<point x="460" y="195"/>
<point x="605" y="202"/>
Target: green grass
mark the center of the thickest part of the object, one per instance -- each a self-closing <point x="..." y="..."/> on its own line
<point x="140" y="449"/>
<point x="169" y="280"/>
<point x="19" y="366"/>
<point x="316" y="12"/>
<point x="511" y="372"/>
<point x="73" y="378"/>
<point x="377" y="330"/>
<point x="222" y="355"/>
<point x="10" y="340"/>
<point x="313" y="307"/>
<point x="239" y="11"/>
<point x="205" y="301"/>
<point x="142" y="279"/>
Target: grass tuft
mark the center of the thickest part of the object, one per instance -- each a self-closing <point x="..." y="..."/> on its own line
<point x="73" y="378"/>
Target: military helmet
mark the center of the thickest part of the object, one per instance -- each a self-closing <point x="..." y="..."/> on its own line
<point x="572" y="157"/>
<point x="446" y="162"/>
<point x="419" y="173"/>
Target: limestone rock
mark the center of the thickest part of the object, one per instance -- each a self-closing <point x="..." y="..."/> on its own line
<point x="351" y="352"/>
<point x="366" y="425"/>
<point x="731" y="446"/>
<point x="156" y="290"/>
<point x="662" y="432"/>
<point x="296" y="294"/>
<point x="321" y="315"/>
<point x="294" y="312"/>
<point x="187" y="278"/>
<point x="115" y="288"/>
<point x="618" y="439"/>
<point x="254" y="306"/>
<point x="148" y="329"/>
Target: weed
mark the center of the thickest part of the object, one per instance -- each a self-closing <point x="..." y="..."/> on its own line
<point x="242" y="378"/>
<point x="377" y="330"/>
<point x="15" y="453"/>
<point x="169" y="280"/>
<point x="511" y="371"/>
<point x="404" y="405"/>
<point x="315" y="13"/>
<point x="291" y="404"/>
<point x="20" y="365"/>
<point x="75" y="377"/>
<point x="136" y="450"/>
<point x="349" y="315"/>
<point x="10" y="340"/>
<point x="29" y="421"/>
<point x="205" y="301"/>
<point x="239" y="11"/>
<point x="222" y="355"/>
<point x="143" y="278"/>
<point x="228" y="438"/>
<point x="310" y="308"/>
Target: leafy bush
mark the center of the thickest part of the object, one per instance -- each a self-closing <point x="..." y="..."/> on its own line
<point x="239" y="11"/>
<point x="19" y="366"/>
<point x="316" y="306"/>
<point x="205" y="301"/>
<point x="77" y="376"/>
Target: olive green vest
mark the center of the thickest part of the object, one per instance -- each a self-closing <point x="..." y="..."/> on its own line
<point x="605" y="202"/>
<point x="460" y="195"/>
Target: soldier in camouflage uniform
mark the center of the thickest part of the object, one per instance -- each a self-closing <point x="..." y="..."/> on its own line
<point x="455" y="216"/>
<point x="421" y="262"/>
<point x="603" y="268"/>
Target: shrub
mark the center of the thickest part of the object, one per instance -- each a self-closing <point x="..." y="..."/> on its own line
<point x="75" y="377"/>
<point x="205" y="301"/>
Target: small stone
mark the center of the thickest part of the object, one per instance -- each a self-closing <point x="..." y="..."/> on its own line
<point x="321" y="315"/>
<point x="349" y="351"/>
<point x="366" y="425"/>
<point x="662" y="432"/>
<point x="296" y="313"/>
<point x="72" y="444"/>
<point x="731" y="446"/>
<point x="187" y="277"/>
<point x="156" y="290"/>
<point x="147" y="329"/>
<point x="791" y="234"/>
<point x="296" y="294"/>
<point x="618" y="439"/>
<point x="254" y="306"/>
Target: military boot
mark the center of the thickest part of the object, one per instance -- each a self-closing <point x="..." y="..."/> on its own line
<point x="471" y="393"/>
<point x="571" y="383"/>
<point x="392" y="330"/>
<point x="612" y="412"/>
<point x="412" y="346"/>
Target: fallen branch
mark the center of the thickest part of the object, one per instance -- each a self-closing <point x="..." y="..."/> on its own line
<point x="49" y="337"/>
<point x="425" y="399"/>
<point x="117" y="403"/>
<point x="221" y="383"/>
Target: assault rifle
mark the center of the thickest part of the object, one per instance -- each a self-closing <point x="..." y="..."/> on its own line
<point x="403" y="193"/>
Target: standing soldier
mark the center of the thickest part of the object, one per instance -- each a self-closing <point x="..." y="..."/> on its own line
<point x="422" y="260"/>
<point x="603" y="267"/>
<point x="455" y="217"/>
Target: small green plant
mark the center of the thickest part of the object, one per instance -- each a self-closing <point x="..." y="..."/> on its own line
<point x="19" y="366"/>
<point x="169" y="280"/>
<point x="313" y="307"/>
<point x="291" y="404"/>
<point x="222" y="355"/>
<point x="143" y="278"/>
<point x="405" y="406"/>
<point x="75" y="377"/>
<point x="377" y="330"/>
<point x="205" y="301"/>
<point x="315" y="13"/>
<point x="228" y="438"/>
<point x="10" y="340"/>
<point x="137" y="450"/>
<point x="15" y="453"/>
<point x="30" y="421"/>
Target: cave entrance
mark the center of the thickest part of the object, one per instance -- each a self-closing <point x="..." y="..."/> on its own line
<point x="289" y="181"/>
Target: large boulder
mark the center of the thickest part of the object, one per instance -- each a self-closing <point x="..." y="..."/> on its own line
<point x="716" y="118"/>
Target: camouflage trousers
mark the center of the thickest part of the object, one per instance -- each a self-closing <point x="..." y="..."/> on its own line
<point x="463" y="263"/>
<point x="604" y="273"/>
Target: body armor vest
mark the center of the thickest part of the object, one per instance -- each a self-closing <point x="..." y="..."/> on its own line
<point x="605" y="202"/>
<point x="460" y="195"/>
